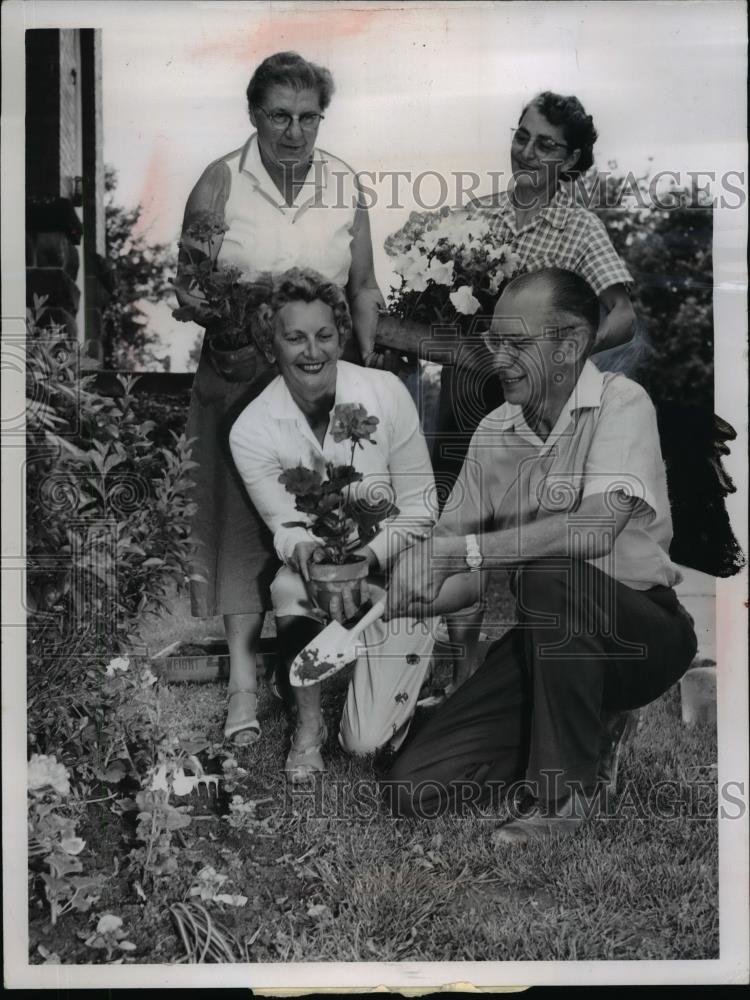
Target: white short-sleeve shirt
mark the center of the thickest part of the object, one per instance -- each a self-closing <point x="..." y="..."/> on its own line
<point x="272" y="435"/>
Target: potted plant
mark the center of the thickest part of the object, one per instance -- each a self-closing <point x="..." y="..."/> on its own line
<point x="230" y="296"/>
<point x="449" y="266"/>
<point x="341" y="519"/>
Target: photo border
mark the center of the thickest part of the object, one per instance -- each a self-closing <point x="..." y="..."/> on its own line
<point x="730" y="286"/>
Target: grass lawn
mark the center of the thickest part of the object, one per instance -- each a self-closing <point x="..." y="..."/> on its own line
<point x="329" y="876"/>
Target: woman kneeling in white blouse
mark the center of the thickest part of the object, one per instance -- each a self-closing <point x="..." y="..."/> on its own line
<point x="302" y="330"/>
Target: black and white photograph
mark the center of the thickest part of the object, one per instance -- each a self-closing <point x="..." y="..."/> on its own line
<point x="374" y="476"/>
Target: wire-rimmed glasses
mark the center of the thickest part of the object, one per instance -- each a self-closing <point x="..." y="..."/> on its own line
<point x="515" y="346"/>
<point x="544" y="145"/>
<point x="308" y="120"/>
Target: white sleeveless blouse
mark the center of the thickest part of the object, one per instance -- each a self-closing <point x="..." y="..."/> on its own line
<point x="266" y="234"/>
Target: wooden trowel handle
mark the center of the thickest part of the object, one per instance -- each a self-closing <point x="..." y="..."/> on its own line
<point x="375" y="612"/>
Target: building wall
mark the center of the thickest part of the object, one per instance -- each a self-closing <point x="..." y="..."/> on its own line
<point x="65" y="181"/>
<point x="42" y="113"/>
<point x="70" y="111"/>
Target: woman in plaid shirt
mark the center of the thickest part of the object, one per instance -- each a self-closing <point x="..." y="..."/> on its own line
<point x="538" y="218"/>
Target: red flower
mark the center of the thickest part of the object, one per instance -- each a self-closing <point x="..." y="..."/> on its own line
<point x="301" y="481"/>
<point x="351" y="422"/>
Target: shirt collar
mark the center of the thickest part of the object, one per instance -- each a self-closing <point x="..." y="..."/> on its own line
<point x="558" y="211"/>
<point x="586" y="394"/>
<point x="251" y="164"/>
<point x="282" y="406"/>
<point x="556" y="214"/>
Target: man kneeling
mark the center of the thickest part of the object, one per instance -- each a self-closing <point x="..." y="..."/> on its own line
<point x="564" y="487"/>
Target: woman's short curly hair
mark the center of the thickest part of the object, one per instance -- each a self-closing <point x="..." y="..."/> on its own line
<point x="578" y="127"/>
<point x="288" y="69"/>
<point x="300" y="284"/>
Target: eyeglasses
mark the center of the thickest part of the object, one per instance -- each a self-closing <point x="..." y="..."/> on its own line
<point x="515" y="346"/>
<point x="543" y="145"/>
<point x="308" y="120"/>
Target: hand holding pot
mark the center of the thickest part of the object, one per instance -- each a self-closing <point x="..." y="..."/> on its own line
<point x="303" y="553"/>
<point x="345" y="604"/>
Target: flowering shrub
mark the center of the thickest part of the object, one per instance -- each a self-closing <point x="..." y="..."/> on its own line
<point x="107" y="511"/>
<point x="229" y="294"/>
<point x="107" y="516"/>
<point x="108" y="541"/>
<point x="342" y="521"/>
<point x="450" y="265"/>
<point x="52" y="838"/>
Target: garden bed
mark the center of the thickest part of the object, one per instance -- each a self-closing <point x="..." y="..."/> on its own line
<point x="329" y="876"/>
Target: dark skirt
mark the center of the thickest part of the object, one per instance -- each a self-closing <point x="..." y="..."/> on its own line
<point x="235" y="553"/>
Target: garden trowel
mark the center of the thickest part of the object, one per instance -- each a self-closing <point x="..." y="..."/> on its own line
<point x="332" y="650"/>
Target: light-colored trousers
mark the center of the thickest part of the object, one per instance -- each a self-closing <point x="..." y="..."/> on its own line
<point x="386" y="680"/>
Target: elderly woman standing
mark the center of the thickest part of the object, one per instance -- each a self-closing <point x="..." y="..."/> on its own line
<point x="284" y="202"/>
<point x="302" y="332"/>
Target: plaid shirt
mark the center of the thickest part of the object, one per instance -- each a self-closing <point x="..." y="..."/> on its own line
<point x="561" y="235"/>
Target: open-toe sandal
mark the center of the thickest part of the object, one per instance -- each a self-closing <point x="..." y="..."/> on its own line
<point x="302" y="765"/>
<point x="245" y="730"/>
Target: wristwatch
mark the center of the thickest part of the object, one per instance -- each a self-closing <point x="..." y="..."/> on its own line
<point x="474" y="557"/>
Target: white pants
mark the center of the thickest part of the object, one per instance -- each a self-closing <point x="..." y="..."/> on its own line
<point x="386" y="680"/>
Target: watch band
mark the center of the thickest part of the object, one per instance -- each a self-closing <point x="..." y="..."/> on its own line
<point x="474" y="557"/>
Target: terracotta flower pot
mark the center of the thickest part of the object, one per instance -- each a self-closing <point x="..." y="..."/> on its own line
<point x="327" y="580"/>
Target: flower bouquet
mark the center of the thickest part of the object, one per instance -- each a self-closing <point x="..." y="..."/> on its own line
<point x="343" y="522"/>
<point x="228" y="297"/>
<point x="451" y="268"/>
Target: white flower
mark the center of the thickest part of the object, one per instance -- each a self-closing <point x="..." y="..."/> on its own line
<point x="224" y="897"/>
<point x="412" y="266"/>
<point x="72" y="845"/>
<point x="495" y="281"/>
<point x="44" y="772"/>
<point x="159" y="780"/>
<point x="146" y="676"/>
<point x="463" y="300"/>
<point x="416" y="283"/>
<point x="431" y="237"/>
<point x="406" y="261"/>
<point x="120" y="663"/>
<point x="183" y="784"/>
<point x="441" y="274"/>
<point x="108" y="923"/>
<point x="510" y="261"/>
<point x="465" y="230"/>
<point x="209" y="881"/>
